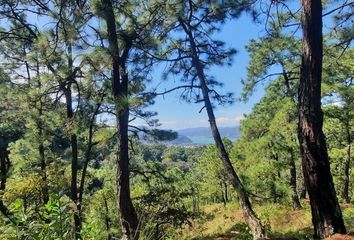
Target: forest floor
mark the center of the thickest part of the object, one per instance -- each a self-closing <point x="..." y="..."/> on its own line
<point x="221" y="222"/>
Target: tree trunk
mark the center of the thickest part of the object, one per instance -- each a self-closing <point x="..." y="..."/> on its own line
<point x="273" y="190"/>
<point x="128" y="216"/>
<point x="303" y="189"/>
<point x="294" y="197"/>
<point x="73" y="141"/>
<point x="106" y="218"/>
<point x="88" y="151"/>
<point x="345" y="194"/>
<point x="273" y="187"/>
<point x="226" y="192"/>
<point x="252" y="220"/>
<point x="222" y="194"/>
<point x="45" y="192"/>
<point x="3" y="178"/>
<point x="74" y="162"/>
<point x="326" y="213"/>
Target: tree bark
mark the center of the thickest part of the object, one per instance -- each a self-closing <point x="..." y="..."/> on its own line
<point x="88" y="152"/>
<point x="326" y="213"/>
<point x="74" y="162"/>
<point x="222" y="194"/>
<point x="303" y="190"/>
<point x="3" y="178"/>
<point x="41" y="151"/>
<point x="294" y="197"/>
<point x="252" y="220"/>
<point x="128" y="216"/>
<point x="45" y="191"/>
<point x="107" y="220"/>
<point x="73" y="141"/>
<point x="226" y="192"/>
<point x="273" y="190"/>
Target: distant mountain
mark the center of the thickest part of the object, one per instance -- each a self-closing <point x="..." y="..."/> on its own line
<point x="229" y="132"/>
<point x="181" y="139"/>
<point x="202" y="135"/>
<point x="148" y="139"/>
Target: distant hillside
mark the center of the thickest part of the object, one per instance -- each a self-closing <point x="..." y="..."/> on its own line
<point x="229" y="132"/>
<point x="202" y="135"/>
<point x="181" y="139"/>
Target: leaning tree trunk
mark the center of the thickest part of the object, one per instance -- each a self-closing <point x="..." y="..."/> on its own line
<point x="252" y="220"/>
<point x="326" y="213"/>
<point x="127" y="213"/>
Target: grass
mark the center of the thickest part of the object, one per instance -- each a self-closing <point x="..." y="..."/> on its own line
<point x="282" y="222"/>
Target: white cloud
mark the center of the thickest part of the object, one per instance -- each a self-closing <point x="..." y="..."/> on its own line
<point x="229" y="121"/>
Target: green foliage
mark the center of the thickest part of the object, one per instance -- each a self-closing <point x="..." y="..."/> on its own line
<point x="242" y="230"/>
<point x="268" y="144"/>
<point x="209" y="176"/>
<point x="54" y="221"/>
<point x="59" y="51"/>
<point x="162" y="194"/>
<point x="269" y="53"/>
<point x="338" y="97"/>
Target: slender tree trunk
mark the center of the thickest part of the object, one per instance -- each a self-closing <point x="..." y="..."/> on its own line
<point x="74" y="162"/>
<point x="3" y="178"/>
<point x="303" y="190"/>
<point x="226" y="192"/>
<point x="294" y="197"/>
<point x="83" y="177"/>
<point x="4" y="168"/>
<point x="73" y="141"/>
<point x="128" y="216"/>
<point x="88" y="151"/>
<point x="345" y="194"/>
<point x="252" y="220"/>
<point x="222" y="194"/>
<point x="129" y="219"/>
<point x="106" y="218"/>
<point x="293" y="175"/>
<point x="326" y="213"/>
<point x="273" y="189"/>
<point x="45" y="190"/>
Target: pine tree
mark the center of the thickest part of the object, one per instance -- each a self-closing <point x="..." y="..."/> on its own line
<point x="326" y="214"/>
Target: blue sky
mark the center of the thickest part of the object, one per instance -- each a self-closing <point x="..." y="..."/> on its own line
<point x="177" y="114"/>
